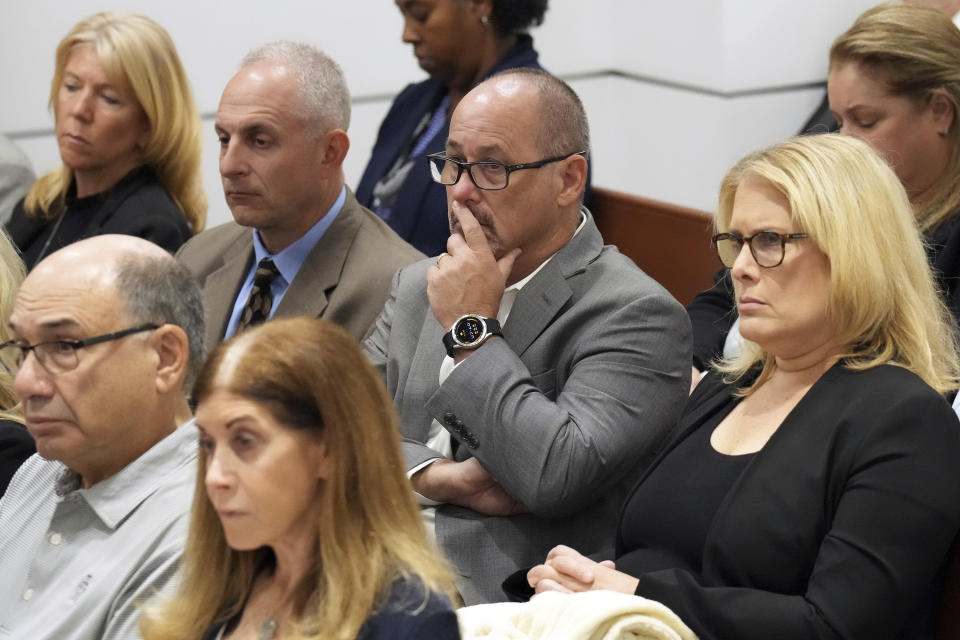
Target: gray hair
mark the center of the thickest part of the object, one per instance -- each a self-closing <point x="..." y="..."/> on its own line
<point x="563" y="120"/>
<point x="162" y="291"/>
<point x="326" y="98"/>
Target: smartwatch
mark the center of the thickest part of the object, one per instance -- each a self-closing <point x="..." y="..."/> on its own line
<point x="469" y="332"/>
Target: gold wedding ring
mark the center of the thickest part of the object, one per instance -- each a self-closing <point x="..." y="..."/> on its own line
<point x="441" y="257"/>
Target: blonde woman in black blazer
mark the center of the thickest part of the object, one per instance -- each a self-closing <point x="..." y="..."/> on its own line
<point x="813" y="487"/>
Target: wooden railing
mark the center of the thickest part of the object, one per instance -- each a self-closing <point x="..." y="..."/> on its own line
<point x="669" y="242"/>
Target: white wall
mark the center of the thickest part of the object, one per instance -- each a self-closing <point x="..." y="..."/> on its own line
<point x="675" y="91"/>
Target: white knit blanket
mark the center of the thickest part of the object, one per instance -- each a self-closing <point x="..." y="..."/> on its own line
<point x="592" y="615"/>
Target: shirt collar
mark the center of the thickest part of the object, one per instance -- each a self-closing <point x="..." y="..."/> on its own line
<point x="290" y="259"/>
<point x="518" y="285"/>
<point x="116" y="497"/>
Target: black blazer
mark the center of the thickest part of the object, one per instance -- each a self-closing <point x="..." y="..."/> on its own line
<point x="137" y="205"/>
<point x="419" y="215"/>
<point x="838" y="528"/>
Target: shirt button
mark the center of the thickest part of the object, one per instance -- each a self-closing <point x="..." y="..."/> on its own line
<point x="28" y="594"/>
<point x="55" y="538"/>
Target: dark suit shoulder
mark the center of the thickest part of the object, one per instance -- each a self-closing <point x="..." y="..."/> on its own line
<point x="410" y="611"/>
<point x="875" y="390"/>
<point x="884" y="407"/>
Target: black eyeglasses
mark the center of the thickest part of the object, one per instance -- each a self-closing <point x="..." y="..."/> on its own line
<point x="488" y="175"/>
<point x="58" y="356"/>
<point x="766" y="247"/>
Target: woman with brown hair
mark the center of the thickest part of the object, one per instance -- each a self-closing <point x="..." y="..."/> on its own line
<point x="303" y="522"/>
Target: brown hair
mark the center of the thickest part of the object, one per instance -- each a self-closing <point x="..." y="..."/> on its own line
<point x="913" y="50"/>
<point x="310" y="375"/>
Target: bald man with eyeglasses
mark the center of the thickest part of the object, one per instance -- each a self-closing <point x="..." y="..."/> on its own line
<point x="534" y="369"/>
<point x="106" y="335"/>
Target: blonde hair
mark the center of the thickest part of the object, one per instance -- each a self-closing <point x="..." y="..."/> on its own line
<point x="139" y="57"/>
<point x="914" y="51"/>
<point x="311" y="375"/>
<point x="12" y="272"/>
<point x="882" y="300"/>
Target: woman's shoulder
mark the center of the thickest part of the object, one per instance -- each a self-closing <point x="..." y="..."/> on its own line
<point x="887" y="383"/>
<point x="143" y="207"/>
<point x="143" y="194"/>
<point x="22" y="227"/>
<point x="425" y="93"/>
<point x="866" y="414"/>
<point x="411" y="611"/>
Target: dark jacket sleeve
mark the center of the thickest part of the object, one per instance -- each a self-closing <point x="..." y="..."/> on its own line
<point x="405" y="616"/>
<point x="943" y="252"/>
<point x="712" y="313"/>
<point x="888" y="516"/>
<point x="16" y="445"/>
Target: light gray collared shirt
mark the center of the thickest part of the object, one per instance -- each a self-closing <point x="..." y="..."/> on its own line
<point x="74" y="562"/>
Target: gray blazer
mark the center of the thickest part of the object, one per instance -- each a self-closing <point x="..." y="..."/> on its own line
<point x="565" y="412"/>
<point x="346" y="277"/>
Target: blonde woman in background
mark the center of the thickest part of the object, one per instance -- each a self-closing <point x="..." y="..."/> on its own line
<point x="16" y="444"/>
<point x="303" y="522"/>
<point x="128" y="131"/>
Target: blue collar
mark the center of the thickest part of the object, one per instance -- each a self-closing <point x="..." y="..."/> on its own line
<point x="290" y="259"/>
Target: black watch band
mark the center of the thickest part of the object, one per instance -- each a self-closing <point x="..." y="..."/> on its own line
<point x="469" y="332"/>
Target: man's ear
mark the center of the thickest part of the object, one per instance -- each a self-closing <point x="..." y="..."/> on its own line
<point x="333" y="149"/>
<point x="573" y="179"/>
<point x="173" y="357"/>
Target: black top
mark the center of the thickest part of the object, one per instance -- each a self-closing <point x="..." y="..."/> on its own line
<point x="16" y="445"/>
<point x="402" y="616"/>
<point x="713" y="312"/>
<point x="840" y="527"/>
<point x="667" y="518"/>
<point x="137" y="205"/>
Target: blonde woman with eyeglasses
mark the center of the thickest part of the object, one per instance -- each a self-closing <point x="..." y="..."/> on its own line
<point x="812" y="489"/>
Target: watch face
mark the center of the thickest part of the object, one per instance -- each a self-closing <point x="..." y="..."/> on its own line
<point x="469" y="330"/>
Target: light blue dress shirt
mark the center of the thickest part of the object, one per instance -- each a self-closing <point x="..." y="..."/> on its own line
<point x="288" y="262"/>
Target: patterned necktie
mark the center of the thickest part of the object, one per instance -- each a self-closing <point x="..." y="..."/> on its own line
<point x="260" y="301"/>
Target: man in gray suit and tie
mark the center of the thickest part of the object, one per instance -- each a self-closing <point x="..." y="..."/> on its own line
<point x="534" y="369"/>
<point x="312" y="250"/>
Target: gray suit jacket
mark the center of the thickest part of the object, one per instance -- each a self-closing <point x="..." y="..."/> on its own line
<point x="346" y="277"/>
<point x="564" y="412"/>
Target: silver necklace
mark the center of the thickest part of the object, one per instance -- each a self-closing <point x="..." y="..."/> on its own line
<point x="268" y="629"/>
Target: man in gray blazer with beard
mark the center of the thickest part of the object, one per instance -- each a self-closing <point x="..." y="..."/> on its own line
<point x="529" y="436"/>
<point x="282" y="123"/>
